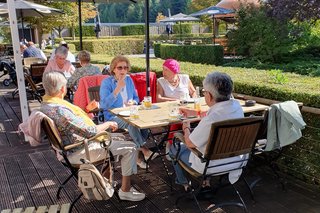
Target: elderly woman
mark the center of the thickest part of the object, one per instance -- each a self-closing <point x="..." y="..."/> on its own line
<point x="59" y="62"/>
<point x="217" y="88"/>
<point x="172" y="86"/>
<point x="119" y="91"/>
<point x="86" y="69"/>
<point x="73" y="125"/>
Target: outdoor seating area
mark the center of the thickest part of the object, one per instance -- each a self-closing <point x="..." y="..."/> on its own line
<point x="219" y="115"/>
<point x="32" y="175"/>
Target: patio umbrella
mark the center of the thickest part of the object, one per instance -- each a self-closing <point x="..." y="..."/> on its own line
<point x="180" y="17"/>
<point x="29" y="9"/>
<point x="213" y="10"/>
<point x="11" y="8"/>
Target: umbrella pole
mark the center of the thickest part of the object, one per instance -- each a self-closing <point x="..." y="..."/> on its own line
<point x="80" y="24"/>
<point x="180" y="32"/>
<point x="214" y="30"/>
<point x="147" y="46"/>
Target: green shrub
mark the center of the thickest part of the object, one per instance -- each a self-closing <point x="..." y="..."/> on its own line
<point x="156" y="48"/>
<point x="182" y="28"/>
<point x="86" y="31"/>
<point x="205" y="54"/>
<point x="112" y="46"/>
<point x="57" y="40"/>
<point x="259" y="36"/>
<point x="72" y="47"/>
<point x="138" y="29"/>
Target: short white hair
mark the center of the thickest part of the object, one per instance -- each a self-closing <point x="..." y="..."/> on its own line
<point x="219" y="85"/>
<point x="53" y="81"/>
<point x="61" y="51"/>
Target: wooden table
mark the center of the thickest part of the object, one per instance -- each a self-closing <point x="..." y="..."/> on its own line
<point x="160" y="117"/>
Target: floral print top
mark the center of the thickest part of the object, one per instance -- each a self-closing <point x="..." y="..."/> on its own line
<point x="72" y="128"/>
<point x="90" y="69"/>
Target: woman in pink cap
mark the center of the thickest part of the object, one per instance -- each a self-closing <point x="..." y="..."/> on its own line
<point x="172" y="86"/>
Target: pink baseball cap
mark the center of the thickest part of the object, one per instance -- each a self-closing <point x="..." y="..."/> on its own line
<point x="172" y="65"/>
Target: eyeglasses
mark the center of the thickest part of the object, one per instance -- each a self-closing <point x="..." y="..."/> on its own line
<point x="204" y="92"/>
<point x="122" y="68"/>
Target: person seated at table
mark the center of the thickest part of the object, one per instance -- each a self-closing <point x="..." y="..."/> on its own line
<point x="86" y="69"/>
<point x="119" y="91"/>
<point x="74" y="125"/>
<point x="70" y="56"/>
<point x="33" y="51"/>
<point x="59" y="62"/>
<point x="172" y="86"/>
<point x="217" y="89"/>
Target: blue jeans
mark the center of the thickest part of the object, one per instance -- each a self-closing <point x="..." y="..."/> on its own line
<point x="183" y="156"/>
<point x="139" y="136"/>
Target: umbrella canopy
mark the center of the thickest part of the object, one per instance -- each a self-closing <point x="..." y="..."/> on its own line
<point x="179" y="17"/>
<point x="29" y="9"/>
<point x="212" y="11"/>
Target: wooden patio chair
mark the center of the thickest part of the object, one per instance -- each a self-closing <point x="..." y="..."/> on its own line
<point x="94" y="94"/>
<point x="36" y="90"/>
<point x="61" y="151"/>
<point x="32" y="60"/>
<point x="227" y="139"/>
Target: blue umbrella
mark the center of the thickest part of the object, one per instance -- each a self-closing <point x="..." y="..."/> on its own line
<point x="212" y="11"/>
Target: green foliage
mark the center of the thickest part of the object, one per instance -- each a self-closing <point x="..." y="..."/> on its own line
<point x="57" y="40"/>
<point x="112" y="46"/>
<point x="206" y="54"/>
<point x="156" y="48"/>
<point x="182" y="28"/>
<point x="86" y="31"/>
<point x="138" y="29"/>
<point x="278" y="77"/>
<point x="259" y="36"/>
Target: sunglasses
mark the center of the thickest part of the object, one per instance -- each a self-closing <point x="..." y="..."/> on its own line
<point x="122" y="68"/>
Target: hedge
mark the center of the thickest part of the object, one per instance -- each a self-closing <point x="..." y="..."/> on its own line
<point x="86" y="31"/>
<point x="138" y="29"/>
<point x="156" y="49"/>
<point x="205" y="54"/>
<point x="182" y="28"/>
<point x="112" y="46"/>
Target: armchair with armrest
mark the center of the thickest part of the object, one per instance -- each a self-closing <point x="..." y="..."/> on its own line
<point x="61" y="151"/>
<point x="229" y="138"/>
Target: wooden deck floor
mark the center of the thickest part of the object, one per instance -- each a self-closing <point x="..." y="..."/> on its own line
<point x="30" y="176"/>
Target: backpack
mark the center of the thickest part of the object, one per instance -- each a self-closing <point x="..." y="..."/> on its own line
<point x="92" y="184"/>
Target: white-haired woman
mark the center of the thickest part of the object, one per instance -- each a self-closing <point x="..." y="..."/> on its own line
<point x="73" y="125"/>
<point x="59" y="62"/>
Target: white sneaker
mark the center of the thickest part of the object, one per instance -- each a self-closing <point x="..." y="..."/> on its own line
<point x="142" y="164"/>
<point x="132" y="195"/>
<point x="156" y="154"/>
<point x="168" y="145"/>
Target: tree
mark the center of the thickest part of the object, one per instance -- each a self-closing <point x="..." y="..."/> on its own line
<point x="70" y="18"/>
<point x="302" y="10"/>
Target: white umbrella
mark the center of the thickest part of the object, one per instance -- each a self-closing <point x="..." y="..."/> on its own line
<point x="180" y="17"/>
<point x="29" y="9"/>
<point x="10" y="8"/>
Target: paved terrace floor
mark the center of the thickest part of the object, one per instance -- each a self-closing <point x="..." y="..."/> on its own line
<point x="30" y="176"/>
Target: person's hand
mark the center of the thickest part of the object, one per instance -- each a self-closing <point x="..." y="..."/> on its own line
<point x="185" y="124"/>
<point x="121" y="82"/>
<point x="130" y="103"/>
<point x="113" y="125"/>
